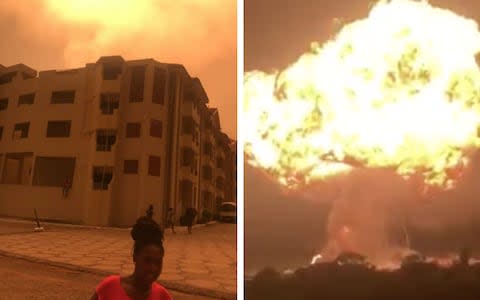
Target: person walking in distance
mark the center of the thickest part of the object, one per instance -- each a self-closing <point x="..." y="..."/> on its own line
<point x="170" y="220"/>
<point x="148" y="253"/>
<point x="67" y="185"/>
<point x="149" y="212"/>
<point x="190" y="215"/>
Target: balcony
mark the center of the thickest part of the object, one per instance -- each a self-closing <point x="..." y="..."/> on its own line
<point x="105" y="158"/>
<point x="111" y="86"/>
<point x="187" y="140"/>
<point x="107" y="121"/>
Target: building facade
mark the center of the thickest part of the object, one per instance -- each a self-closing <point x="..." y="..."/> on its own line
<point x="97" y="145"/>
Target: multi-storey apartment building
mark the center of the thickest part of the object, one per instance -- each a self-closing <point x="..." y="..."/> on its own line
<point x="97" y="145"/>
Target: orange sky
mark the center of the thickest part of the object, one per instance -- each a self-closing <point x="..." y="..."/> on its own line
<point x="57" y="34"/>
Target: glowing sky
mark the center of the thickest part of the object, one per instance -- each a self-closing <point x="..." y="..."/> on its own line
<point x="57" y="34"/>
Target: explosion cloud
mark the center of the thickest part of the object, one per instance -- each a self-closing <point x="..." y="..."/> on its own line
<point x="391" y="100"/>
<point x="399" y="89"/>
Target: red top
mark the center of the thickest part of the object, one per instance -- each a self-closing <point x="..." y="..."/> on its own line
<point x="111" y="289"/>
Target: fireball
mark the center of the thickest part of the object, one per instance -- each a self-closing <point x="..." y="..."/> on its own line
<point x="399" y="89"/>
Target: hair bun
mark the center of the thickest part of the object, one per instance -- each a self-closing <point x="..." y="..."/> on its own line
<point x="146" y="230"/>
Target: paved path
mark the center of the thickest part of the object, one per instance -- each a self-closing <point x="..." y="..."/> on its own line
<point x="24" y="280"/>
<point x="202" y="263"/>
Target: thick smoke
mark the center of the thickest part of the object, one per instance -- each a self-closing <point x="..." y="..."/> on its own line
<point x="379" y="214"/>
<point x="386" y="216"/>
<point x="57" y="34"/>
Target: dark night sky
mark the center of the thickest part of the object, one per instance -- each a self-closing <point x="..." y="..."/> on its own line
<point x="277" y="32"/>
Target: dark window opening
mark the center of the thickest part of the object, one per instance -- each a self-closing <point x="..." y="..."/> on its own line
<point x="156" y="128"/>
<point x="17" y="168"/>
<point x="130" y="166"/>
<point x="63" y="97"/>
<point x="20" y="130"/>
<point x="159" y="82"/>
<point x="188" y="156"/>
<point x="109" y="103"/>
<point x="207" y="173"/>
<point x="27" y="76"/>
<point x="1" y="132"/>
<point x="8" y="77"/>
<point x="59" y="128"/>
<point x="154" y="165"/>
<point x="220" y="183"/>
<point x="137" y="83"/>
<point x="188" y="93"/>
<point x="27" y="99"/>
<point x="207" y="148"/>
<point x="106" y="139"/>
<point x="102" y="176"/>
<point x="188" y="125"/>
<point x="209" y="125"/>
<point x="133" y="130"/>
<point x="219" y="162"/>
<point x="111" y="72"/>
<point x="53" y="171"/>
<point x="3" y="104"/>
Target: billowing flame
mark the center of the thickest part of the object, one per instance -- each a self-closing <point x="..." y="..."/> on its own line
<point x="399" y="89"/>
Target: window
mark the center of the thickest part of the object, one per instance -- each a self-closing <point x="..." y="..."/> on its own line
<point x="20" y="130"/>
<point x="156" y="128"/>
<point x="154" y="165"/>
<point x="188" y="125"/>
<point x="111" y="72"/>
<point x="17" y="168"/>
<point x="27" y="76"/>
<point x="6" y="78"/>
<point x="58" y="128"/>
<point x="1" y="132"/>
<point x="109" y="103"/>
<point x="159" y="81"/>
<point x="220" y="183"/>
<point x="105" y="139"/>
<point x="207" y="173"/>
<point x="3" y="104"/>
<point x="133" y="130"/>
<point x="53" y="171"/>
<point x="187" y="157"/>
<point x="63" y="97"/>
<point x="27" y="99"/>
<point x="219" y="162"/>
<point x="207" y="148"/>
<point x="137" y="83"/>
<point x="130" y="166"/>
<point x="102" y="176"/>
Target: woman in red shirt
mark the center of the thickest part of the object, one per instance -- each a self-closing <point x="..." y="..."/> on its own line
<point x="148" y="259"/>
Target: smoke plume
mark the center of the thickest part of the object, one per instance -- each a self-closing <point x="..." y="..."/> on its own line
<point x="56" y="34"/>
